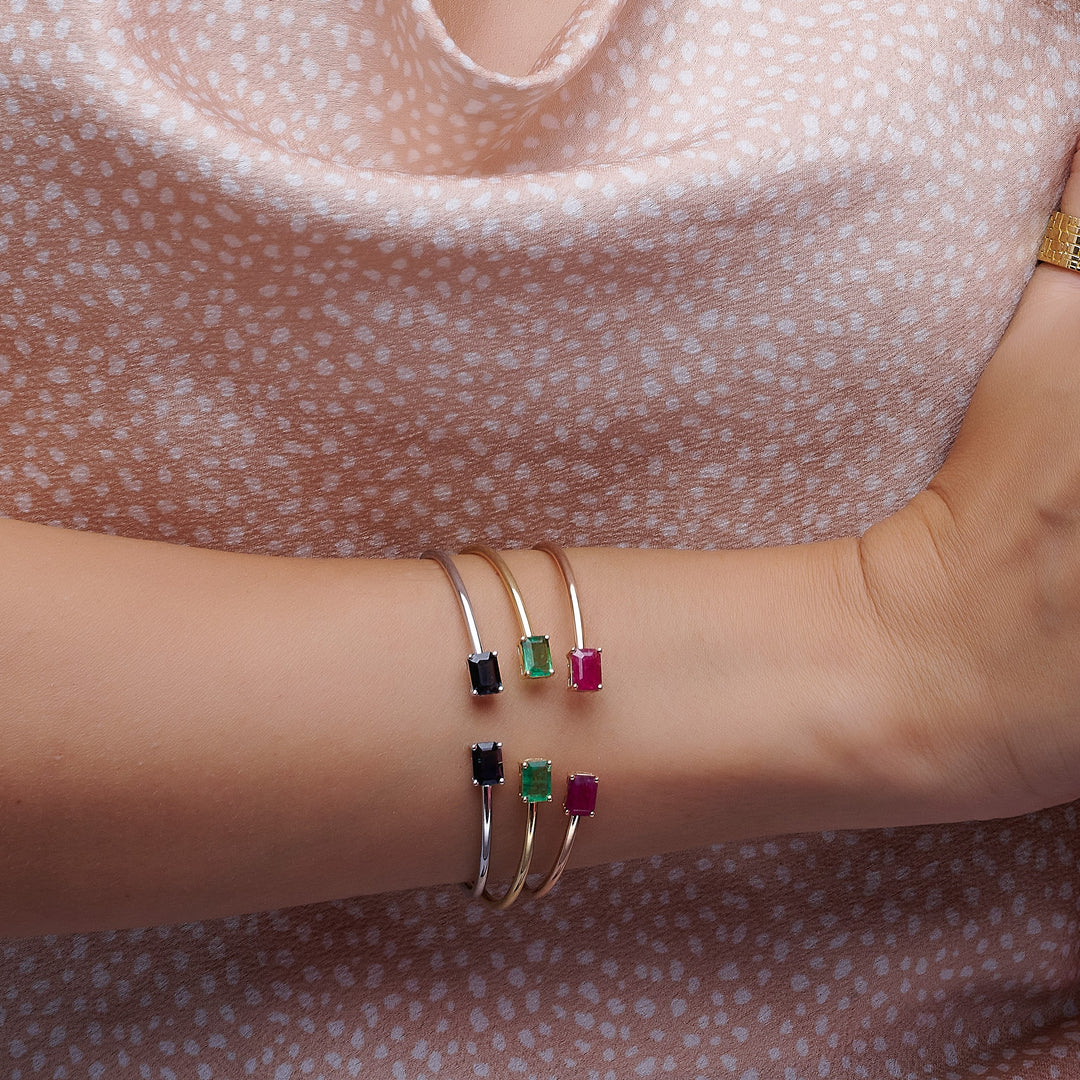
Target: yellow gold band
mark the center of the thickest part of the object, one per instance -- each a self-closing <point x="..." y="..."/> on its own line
<point x="511" y="894"/>
<point x="506" y="576"/>
<point x="1061" y="242"/>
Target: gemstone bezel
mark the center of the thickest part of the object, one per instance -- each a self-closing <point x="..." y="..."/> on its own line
<point x="487" y="764"/>
<point x="536" y="780"/>
<point x="536" y="662"/>
<point x="585" y="672"/>
<point x="581" y="794"/>
<point x="484" y="674"/>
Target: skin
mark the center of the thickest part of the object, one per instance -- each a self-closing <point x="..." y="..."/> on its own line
<point x="977" y="581"/>
<point x="504" y="35"/>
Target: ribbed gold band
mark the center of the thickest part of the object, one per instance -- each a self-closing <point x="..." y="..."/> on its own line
<point x="1061" y="242"/>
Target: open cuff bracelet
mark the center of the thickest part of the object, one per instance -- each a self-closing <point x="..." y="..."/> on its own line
<point x="583" y="662"/>
<point x="580" y="802"/>
<point x="483" y="666"/>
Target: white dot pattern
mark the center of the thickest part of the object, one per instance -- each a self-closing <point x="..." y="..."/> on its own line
<point x="303" y="279"/>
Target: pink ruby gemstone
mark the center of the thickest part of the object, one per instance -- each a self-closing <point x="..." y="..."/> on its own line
<point x="581" y="794"/>
<point x="584" y="669"/>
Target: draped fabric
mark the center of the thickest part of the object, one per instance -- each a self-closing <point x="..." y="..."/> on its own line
<point x="305" y="280"/>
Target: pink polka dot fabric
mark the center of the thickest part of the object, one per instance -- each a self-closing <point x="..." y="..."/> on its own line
<point x="304" y="279"/>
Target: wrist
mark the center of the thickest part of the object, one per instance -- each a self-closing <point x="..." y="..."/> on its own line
<point x="746" y="693"/>
<point x="976" y="664"/>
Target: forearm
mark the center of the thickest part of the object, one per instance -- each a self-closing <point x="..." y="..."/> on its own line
<point x="189" y="733"/>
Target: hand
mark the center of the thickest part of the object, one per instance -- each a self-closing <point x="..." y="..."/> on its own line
<point x="977" y="581"/>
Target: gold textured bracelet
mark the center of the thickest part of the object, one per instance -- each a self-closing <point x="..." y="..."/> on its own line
<point x="1061" y="242"/>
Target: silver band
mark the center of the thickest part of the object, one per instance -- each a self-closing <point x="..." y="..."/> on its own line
<point x="487" y="762"/>
<point x="477" y="887"/>
<point x="447" y="563"/>
<point x="483" y="666"/>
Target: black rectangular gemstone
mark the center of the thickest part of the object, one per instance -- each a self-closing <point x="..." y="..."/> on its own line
<point x="487" y="763"/>
<point x="484" y="672"/>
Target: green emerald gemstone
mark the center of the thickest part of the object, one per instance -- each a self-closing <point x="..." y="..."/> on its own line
<point x="536" y="780"/>
<point x="536" y="657"/>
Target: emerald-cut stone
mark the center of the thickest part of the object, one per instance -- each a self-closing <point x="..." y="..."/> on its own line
<point x="581" y="794"/>
<point x="585" y="669"/>
<point x="536" y="657"/>
<point x="487" y="763"/>
<point x="536" y="780"/>
<point x="484" y="673"/>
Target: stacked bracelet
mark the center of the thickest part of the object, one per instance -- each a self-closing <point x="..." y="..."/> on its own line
<point x="483" y="666"/>
<point x="584" y="674"/>
<point x="583" y="664"/>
